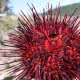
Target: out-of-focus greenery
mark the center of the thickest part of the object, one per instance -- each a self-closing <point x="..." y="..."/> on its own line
<point x="7" y="21"/>
<point x="69" y="9"/>
<point x="8" y="78"/>
<point x="1" y="1"/>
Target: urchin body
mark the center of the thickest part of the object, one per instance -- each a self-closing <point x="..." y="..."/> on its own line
<point x="49" y="47"/>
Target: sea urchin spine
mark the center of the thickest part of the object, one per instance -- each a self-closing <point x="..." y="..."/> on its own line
<point x="48" y="46"/>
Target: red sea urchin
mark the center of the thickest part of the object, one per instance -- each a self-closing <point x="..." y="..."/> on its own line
<point x="49" y="47"/>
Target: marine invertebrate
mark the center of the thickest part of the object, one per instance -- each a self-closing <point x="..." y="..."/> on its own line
<point x="48" y="46"/>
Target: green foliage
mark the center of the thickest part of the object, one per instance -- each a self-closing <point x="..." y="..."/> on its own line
<point x="1" y="1"/>
<point x="69" y="9"/>
<point x="6" y="22"/>
<point x="8" y="78"/>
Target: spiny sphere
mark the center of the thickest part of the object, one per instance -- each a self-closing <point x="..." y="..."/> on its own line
<point x="48" y="46"/>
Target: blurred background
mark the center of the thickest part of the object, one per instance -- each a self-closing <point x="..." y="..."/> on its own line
<point x="9" y="12"/>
